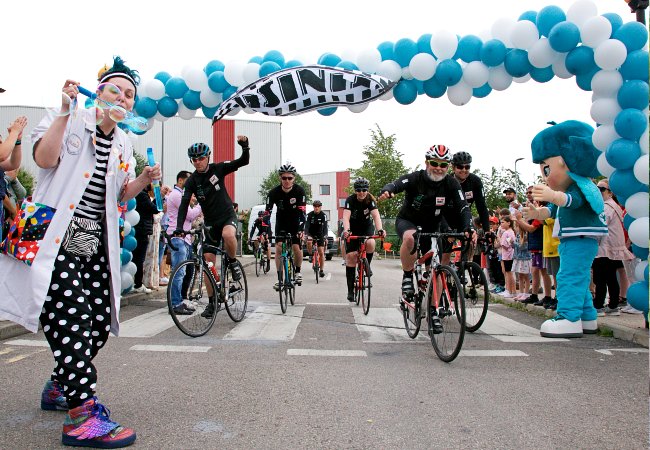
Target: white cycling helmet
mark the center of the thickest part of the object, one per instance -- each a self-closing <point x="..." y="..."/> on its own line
<point x="440" y="152"/>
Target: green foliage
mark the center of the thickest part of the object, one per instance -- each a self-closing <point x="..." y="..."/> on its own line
<point x="27" y="180"/>
<point x="140" y="163"/>
<point x="382" y="165"/>
<point x="495" y="182"/>
<point x="273" y="179"/>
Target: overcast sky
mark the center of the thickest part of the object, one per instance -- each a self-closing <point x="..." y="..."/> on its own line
<point x="45" y="42"/>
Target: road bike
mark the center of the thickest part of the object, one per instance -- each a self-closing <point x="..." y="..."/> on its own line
<point x="262" y="264"/>
<point x="362" y="283"/>
<point x="287" y="275"/>
<point x="315" y="256"/>
<point x="201" y="278"/>
<point x="438" y="298"/>
<point x="475" y="285"/>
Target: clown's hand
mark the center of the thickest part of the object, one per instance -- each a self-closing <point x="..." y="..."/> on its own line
<point x="543" y="193"/>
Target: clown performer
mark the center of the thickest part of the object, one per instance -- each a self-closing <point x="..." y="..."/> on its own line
<point x="567" y="158"/>
<point x="71" y="280"/>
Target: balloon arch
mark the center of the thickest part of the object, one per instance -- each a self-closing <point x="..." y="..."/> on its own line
<point x="605" y="55"/>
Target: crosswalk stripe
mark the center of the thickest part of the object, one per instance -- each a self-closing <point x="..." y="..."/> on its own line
<point x="382" y="325"/>
<point x="491" y="353"/>
<point x="316" y="352"/>
<point x="267" y="323"/>
<point x="508" y="330"/>
<point x="28" y="343"/>
<point x="171" y="348"/>
<point x="23" y="356"/>
<point x="147" y="325"/>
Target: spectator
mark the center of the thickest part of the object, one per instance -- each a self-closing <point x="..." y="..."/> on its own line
<point x="507" y="242"/>
<point x="11" y="153"/>
<point x="13" y="199"/>
<point x="162" y="244"/>
<point x="510" y="195"/>
<point x="493" y="258"/>
<point x="151" y="266"/>
<point x="522" y="260"/>
<point x="147" y="208"/>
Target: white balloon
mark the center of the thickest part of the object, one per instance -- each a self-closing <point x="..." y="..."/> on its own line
<point x="251" y="73"/>
<point x="541" y="54"/>
<point x="196" y="79"/>
<point x="186" y="113"/>
<point x="637" y="204"/>
<point x="604" y="110"/>
<point x="559" y="67"/>
<point x="499" y="78"/>
<point x="248" y="111"/>
<point x="210" y="99"/>
<point x="359" y="107"/>
<point x="610" y="54"/>
<point x="460" y="93"/>
<point x="641" y="169"/>
<point x="603" y="166"/>
<point x="406" y="73"/>
<point x="387" y="96"/>
<point x="127" y="228"/>
<point x="150" y="123"/>
<point x="349" y="55"/>
<point x="502" y="30"/>
<point x="485" y="35"/>
<point x="142" y="89"/>
<point x="422" y="66"/>
<point x="126" y="280"/>
<point x="643" y="142"/>
<point x="234" y="73"/>
<point x="524" y="34"/>
<point x="476" y="74"/>
<point x="155" y="89"/>
<point x="638" y="232"/>
<point x="639" y="271"/>
<point x="160" y="118"/>
<point x="390" y="69"/>
<point x="444" y="44"/>
<point x="606" y="83"/>
<point x="130" y="268"/>
<point x="522" y="79"/>
<point x="603" y="136"/>
<point x="581" y="11"/>
<point x="595" y="31"/>
<point x="133" y="217"/>
<point x="368" y="60"/>
<point x="234" y="112"/>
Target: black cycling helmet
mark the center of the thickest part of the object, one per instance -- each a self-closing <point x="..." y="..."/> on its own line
<point x="361" y="183"/>
<point x="260" y="213"/>
<point x="461" y="158"/>
<point x="440" y="152"/>
<point x="197" y="150"/>
<point x="287" y="168"/>
<point x="317" y="203"/>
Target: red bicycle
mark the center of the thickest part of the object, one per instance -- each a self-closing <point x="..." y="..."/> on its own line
<point x="362" y="285"/>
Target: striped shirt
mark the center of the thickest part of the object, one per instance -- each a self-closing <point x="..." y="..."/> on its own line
<point x="93" y="202"/>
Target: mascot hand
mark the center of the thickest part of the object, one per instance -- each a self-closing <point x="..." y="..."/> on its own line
<point x="530" y="213"/>
<point x="543" y="193"/>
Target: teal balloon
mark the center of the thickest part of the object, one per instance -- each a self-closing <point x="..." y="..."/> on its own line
<point x="176" y="87"/>
<point x="209" y="112"/>
<point x="129" y="243"/>
<point x="482" y="91"/>
<point x="405" y="92"/>
<point x="635" y="66"/>
<point x="542" y="75"/>
<point x="329" y="59"/>
<point x="637" y="296"/>
<point x="167" y="107"/>
<point x="192" y="100"/>
<point x="633" y="34"/>
<point x="274" y="56"/>
<point x="448" y="72"/>
<point x="292" y="63"/>
<point x="531" y="16"/>
<point x="584" y="79"/>
<point x="386" y="50"/>
<point x="623" y="183"/>
<point x="630" y="124"/>
<point x="493" y="52"/>
<point x="633" y="94"/>
<point x="130" y="204"/>
<point x="213" y="66"/>
<point x="424" y="44"/>
<point x="434" y="88"/>
<point x="327" y="111"/>
<point x="645" y="274"/>
<point x="623" y="153"/>
<point x="146" y="107"/>
<point x="256" y="59"/>
<point x="217" y="81"/>
<point x="580" y="60"/>
<point x="548" y="17"/>
<point x="347" y="65"/>
<point x="269" y="67"/>
<point x="404" y="50"/>
<point x="469" y="48"/>
<point x="615" y="20"/>
<point x="162" y="76"/>
<point x="229" y="92"/>
<point x="627" y="221"/>
<point x="564" y="37"/>
<point x="639" y="252"/>
<point x="125" y="256"/>
<point x="516" y="63"/>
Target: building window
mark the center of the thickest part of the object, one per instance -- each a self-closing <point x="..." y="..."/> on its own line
<point x="342" y="203"/>
<point x="324" y="189"/>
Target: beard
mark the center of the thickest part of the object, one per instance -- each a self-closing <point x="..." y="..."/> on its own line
<point x="434" y="177"/>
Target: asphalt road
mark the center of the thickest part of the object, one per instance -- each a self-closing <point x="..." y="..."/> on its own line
<point x="318" y="378"/>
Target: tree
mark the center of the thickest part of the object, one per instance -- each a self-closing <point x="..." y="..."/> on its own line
<point x="496" y="182"/>
<point x="273" y="179"/>
<point x="27" y="180"/>
<point x="382" y="165"/>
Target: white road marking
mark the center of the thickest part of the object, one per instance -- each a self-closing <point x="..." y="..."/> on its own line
<point x="492" y="353"/>
<point x="608" y="351"/>
<point x="383" y="325"/>
<point x="328" y="276"/>
<point x="267" y="323"/>
<point x="147" y="325"/>
<point x="314" y="352"/>
<point x="23" y="356"/>
<point x="28" y="343"/>
<point x="330" y="303"/>
<point x="171" y="348"/>
<point x="508" y="330"/>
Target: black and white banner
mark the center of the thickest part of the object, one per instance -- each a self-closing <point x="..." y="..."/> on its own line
<point x="304" y="88"/>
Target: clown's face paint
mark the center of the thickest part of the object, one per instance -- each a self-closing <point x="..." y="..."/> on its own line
<point x="554" y="173"/>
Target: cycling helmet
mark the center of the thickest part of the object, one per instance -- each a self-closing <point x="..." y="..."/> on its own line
<point x="440" y="152"/>
<point x="317" y="203"/>
<point x="197" y="150"/>
<point x="287" y="168"/>
<point x="260" y="213"/>
<point x="461" y="158"/>
<point x="361" y="183"/>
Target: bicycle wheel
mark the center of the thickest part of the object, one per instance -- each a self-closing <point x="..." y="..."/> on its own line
<point x="282" y="290"/>
<point x="258" y="261"/>
<point x="315" y="265"/>
<point x="411" y="315"/>
<point x="292" y="283"/>
<point x="236" y="293"/>
<point x="200" y="321"/>
<point x="451" y="313"/>
<point x="357" y="290"/>
<point x="476" y="293"/>
<point x="365" y="287"/>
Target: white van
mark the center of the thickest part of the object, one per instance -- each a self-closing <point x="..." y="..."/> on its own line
<point x="330" y="249"/>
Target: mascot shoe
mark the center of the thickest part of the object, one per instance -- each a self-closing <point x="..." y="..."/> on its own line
<point x="561" y="328"/>
<point x="590" y="326"/>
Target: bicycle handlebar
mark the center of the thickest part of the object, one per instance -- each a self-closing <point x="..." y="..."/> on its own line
<point x="444" y="235"/>
<point x="364" y="237"/>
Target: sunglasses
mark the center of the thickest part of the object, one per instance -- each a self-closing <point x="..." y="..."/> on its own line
<point x="361" y="190"/>
<point x="602" y="188"/>
<point x="442" y="165"/>
<point x="198" y="158"/>
<point x="462" y="166"/>
<point x="287" y="178"/>
<point x="529" y="193"/>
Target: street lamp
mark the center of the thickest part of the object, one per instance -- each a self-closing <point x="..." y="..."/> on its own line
<point x="517" y="173"/>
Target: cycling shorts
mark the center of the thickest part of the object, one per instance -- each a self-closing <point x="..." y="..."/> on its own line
<point x="213" y="237"/>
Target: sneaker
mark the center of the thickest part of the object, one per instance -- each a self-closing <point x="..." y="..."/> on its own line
<point x="506" y="294"/>
<point x="612" y="311"/>
<point x="299" y="278"/>
<point x="141" y="290"/>
<point x="630" y="310"/>
<point x="350" y="296"/>
<point x="600" y="312"/>
<point x="436" y="325"/>
<point x="276" y="286"/>
<point x="52" y="398"/>
<point x="498" y="289"/>
<point x="407" y="287"/>
<point x="547" y="302"/>
<point x="188" y="305"/>
<point x="369" y="271"/>
<point x="530" y="299"/>
<point x="622" y="301"/>
<point x="89" y="425"/>
<point x="553" y="306"/>
<point x="491" y="287"/>
<point x="520" y="297"/>
<point x="209" y="311"/>
<point x="164" y="281"/>
<point x="181" y="310"/>
<point x="541" y="302"/>
<point x="321" y="274"/>
<point x="268" y="265"/>
<point x="235" y="270"/>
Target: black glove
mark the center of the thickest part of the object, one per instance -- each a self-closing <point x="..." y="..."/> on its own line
<point x="243" y="143"/>
<point x="381" y="233"/>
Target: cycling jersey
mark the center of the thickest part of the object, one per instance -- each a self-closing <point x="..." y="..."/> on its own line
<point x="361" y="223"/>
<point x="262" y="225"/>
<point x="473" y="190"/>
<point x="317" y="224"/>
<point x="291" y="207"/>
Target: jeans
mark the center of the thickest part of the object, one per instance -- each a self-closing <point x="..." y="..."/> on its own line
<point x="184" y="250"/>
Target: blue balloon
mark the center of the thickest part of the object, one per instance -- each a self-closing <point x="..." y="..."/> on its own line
<point x="405" y="92"/>
<point x="419" y="86"/>
<point x="386" y="50"/>
<point x="580" y="60"/>
<point x="404" y="50"/>
<point x="255" y="59"/>
<point x="633" y="34"/>
<point x="217" y="81"/>
<point x="269" y="67"/>
<point x="130" y="204"/>
<point x="482" y="91"/>
<point x="637" y="296"/>
<point x="627" y="220"/>
<point x="493" y="52"/>
<point x="192" y="100"/>
<point x="633" y="94"/>
<point x="125" y="256"/>
<point x="213" y="66"/>
<point x="542" y="75"/>
<point x="622" y="153"/>
<point x="630" y="124"/>
<point x="449" y="72"/>
<point x="274" y="56"/>
<point x="162" y="76"/>
<point x="292" y="63"/>
<point x="347" y="65"/>
<point x="645" y="274"/>
<point x="469" y="48"/>
<point x="327" y="111"/>
<point x="548" y="17"/>
<point x="146" y="107"/>
<point x="516" y="63"/>
<point x="229" y="92"/>
<point x="209" y="112"/>
<point x="639" y="252"/>
<point x="584" y="79"/>
<point x="424" y="44"/>
<point x="615" y="20"/>
<point x="623" y="183"/>
<point x="129" y="243"/>
<point x="176" y="87"/>
<point x="635" y="66"/>
<point x="564" y="37"/>
<point x="531" y="16"/>
<point x="167" y="107"/>
<point x="434" y="88"/>
<point x="329" y="59"/>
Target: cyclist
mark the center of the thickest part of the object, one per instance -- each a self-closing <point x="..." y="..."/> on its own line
<point x="430" y="195"/>
<point x="291" y="202"/>
<point x="358" y="216"/>
<point x="263" y="226"/>
<point x="472" y="188"/>
<point x="207" y="183"/>
<point x="317" y="231"/>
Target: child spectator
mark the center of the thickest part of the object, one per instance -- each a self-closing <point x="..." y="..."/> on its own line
<point x="522" y="261"/>
<point x="507" y="242"/>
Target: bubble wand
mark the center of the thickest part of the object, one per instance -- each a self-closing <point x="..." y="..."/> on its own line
<point x="155" y="183"/>
<point x="131" y="121"/>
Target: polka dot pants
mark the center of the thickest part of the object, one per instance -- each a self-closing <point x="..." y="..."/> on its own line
<point x="76" y="320"/>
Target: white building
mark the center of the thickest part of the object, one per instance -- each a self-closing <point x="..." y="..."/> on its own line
<point x="329" y="188"/>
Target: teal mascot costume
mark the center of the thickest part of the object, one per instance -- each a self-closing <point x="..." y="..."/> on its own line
<point x="567" y="159"/>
